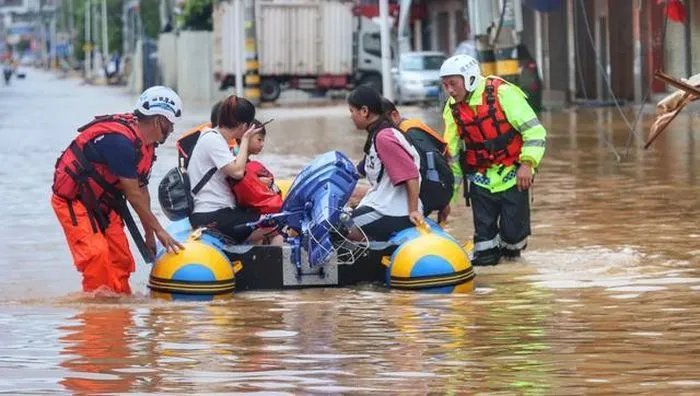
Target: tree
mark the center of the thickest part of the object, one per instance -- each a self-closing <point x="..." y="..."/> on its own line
<point x="149" y="18"/>
<point x="197" y="15"/>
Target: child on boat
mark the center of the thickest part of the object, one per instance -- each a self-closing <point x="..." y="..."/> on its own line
<point x="257" y="190"/>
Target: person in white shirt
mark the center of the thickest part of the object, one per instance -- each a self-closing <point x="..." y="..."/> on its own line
<point x="215" y="205"/>
<point x="391" y="165"/>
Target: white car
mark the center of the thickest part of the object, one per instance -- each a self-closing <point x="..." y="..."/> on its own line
<point x="417" y="77"/>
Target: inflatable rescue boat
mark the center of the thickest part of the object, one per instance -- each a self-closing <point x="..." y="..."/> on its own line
<point x="316" y="253"/>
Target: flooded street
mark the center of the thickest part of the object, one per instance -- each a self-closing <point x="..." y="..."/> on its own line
<point x="606" y="299"/>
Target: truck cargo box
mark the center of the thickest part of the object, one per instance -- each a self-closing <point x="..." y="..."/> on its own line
<point x="304" y="38"/>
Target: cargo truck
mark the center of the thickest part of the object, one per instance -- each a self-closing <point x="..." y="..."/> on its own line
<point x="313" y="46"/>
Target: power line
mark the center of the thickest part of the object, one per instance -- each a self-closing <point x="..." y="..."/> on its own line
<point x="630" y="137"/>
<point x="605" y="76"/>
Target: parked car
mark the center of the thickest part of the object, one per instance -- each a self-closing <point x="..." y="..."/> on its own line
<point x="417" y="76"/>
<point x="28" y="59"/>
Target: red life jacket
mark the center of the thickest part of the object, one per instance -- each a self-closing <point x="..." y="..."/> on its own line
<point x="92" y="183"/>
<point x="251" y="193"/>
<point x="489" y="139"/>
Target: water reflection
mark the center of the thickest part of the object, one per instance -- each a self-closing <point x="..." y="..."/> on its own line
<point x="97" y="351"/>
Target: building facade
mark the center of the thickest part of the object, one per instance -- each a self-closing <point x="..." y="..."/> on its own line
<point x="586" y="50"/>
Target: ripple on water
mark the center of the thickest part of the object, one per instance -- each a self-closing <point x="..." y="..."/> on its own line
<point x="609" y="284"/>
<point x="276" y="334"/>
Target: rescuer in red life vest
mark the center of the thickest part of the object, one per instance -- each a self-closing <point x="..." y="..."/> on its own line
<point x="497" y="143"/>
<point x="106" y="165"/>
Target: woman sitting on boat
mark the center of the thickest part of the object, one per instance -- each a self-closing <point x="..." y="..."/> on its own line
<point x="391" y="166"/>
<point x="214" y="204"/>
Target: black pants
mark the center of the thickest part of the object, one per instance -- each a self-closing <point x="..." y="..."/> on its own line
<point x="501" y="223"/>
<point x="379" y="227"/>
<point x="227" y="221"/>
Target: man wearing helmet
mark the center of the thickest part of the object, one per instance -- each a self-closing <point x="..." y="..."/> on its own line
<point x="499" y="142"/>
<point x="107" y="164"/>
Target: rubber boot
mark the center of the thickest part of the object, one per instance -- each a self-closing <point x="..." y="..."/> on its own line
<point x="487" y="257"/>
<point x="510" y="254"/>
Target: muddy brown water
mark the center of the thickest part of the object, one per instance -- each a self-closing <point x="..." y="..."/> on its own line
<point x="604" y="301"/>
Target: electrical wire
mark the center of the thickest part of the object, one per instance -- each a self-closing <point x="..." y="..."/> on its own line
<point x="605" y="76"/>
<point x="630" y="137"/>
<point x="500" y="22"/>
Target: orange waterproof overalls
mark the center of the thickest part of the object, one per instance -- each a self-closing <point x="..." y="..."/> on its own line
<point x="91" y="208"/>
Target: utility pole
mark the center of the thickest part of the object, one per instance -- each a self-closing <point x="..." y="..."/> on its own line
<point x="105" y="39"/>
<point x="71" y="31"/>
<point x="95" y="35"/>
<point x="239" y="34"/>
<point x="251" y="80"/>
<point x="43" y="33"/>
<point x="386" y="49"/>
<point x="403" y="33"/>
<point x="127" y="31"/>
<point x="52" y="40"/>
<point x="87" y="46"/>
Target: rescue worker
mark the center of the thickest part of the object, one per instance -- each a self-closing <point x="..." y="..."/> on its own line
<point x="391" y="166"/>
<point x="108" y="163"/>
<point x="498" y="142"/>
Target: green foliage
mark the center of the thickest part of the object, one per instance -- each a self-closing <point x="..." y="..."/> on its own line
<point x="114" y="24"/>
<point x="79" y="27"/>
<point x="197" y="15"/>
<point x="149" y="18"/>
<point x="22" y="46"/>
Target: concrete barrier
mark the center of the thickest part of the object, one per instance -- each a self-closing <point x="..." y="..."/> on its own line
<point x="167" y="59"/>
<point x="195" y="81"/>
<point x="135" y="69"/>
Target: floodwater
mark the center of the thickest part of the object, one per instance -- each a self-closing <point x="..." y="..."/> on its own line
<point x="604" y="301"/>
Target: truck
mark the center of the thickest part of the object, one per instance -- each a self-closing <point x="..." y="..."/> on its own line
<point x="311" y="45"/>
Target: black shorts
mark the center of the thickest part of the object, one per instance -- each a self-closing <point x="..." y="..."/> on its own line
<point x="227" y="222"/>
<point x="377" y="226"/>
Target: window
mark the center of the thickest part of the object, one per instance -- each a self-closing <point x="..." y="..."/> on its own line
<point x="372" y="43"/>
<point x="421" y="62"/>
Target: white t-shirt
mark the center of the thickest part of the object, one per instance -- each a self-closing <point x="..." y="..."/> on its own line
<point x="382" y="196"/>
<point x="211" y="151"/>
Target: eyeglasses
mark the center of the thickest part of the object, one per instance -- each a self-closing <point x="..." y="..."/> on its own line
<point x="167" y="130"/>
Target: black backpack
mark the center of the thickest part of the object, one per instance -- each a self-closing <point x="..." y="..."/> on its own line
<point x="175" y="193"/>
<point x="437" y="180"/>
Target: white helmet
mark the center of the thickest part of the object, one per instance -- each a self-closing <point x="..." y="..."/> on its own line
<point x="160" y="100"/>
<point x="465" y="66"/>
